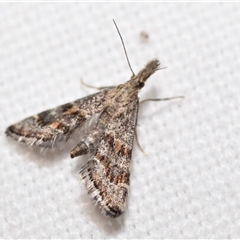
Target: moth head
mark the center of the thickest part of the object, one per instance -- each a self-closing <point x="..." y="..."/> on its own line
<point x="140" y="79"/>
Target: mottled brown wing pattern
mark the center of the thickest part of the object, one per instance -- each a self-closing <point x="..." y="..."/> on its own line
<point x="110" y="141"/>
<point x="106" y="176"/>
<point x="57" y="124"/>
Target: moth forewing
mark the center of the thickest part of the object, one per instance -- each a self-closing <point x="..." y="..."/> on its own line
<point x="110" y="118"/>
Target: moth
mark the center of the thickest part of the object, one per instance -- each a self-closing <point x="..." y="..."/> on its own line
<point x="109" y="143"/>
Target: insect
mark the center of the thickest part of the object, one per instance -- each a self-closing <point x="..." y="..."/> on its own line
<point x="109" y="143"/>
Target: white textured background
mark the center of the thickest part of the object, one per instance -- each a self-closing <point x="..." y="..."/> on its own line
<point x="188" y="186"/>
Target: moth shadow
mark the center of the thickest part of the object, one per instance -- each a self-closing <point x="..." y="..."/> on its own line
<point x="81" y="161"/>
<point x="47" y="157"/>
<point x="107" y="224"/>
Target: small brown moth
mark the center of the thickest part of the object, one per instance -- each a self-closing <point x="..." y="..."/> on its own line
<point x="109" y="143"/>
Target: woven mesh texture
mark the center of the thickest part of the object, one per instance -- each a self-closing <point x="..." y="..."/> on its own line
<point x="188" y="185"/>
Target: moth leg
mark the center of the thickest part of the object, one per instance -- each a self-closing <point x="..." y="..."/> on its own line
<point x="161" y="99"/>
<point x="90" y="86"/>
<point x="138" y="143"/>
<point x="152" y="99"/>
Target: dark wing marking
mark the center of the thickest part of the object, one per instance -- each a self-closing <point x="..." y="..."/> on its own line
<point x="106" y="176"/>
<point x="57" y="124"/>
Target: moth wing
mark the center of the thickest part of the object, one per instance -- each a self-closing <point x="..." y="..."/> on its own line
<point x="106" y="176"/>
<point x="57" y="124"/>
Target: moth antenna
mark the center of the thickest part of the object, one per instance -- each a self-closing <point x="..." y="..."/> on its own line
<point x="124" y="48"/>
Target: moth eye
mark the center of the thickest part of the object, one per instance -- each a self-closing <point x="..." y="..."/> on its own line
<point x="141" y="84"/>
